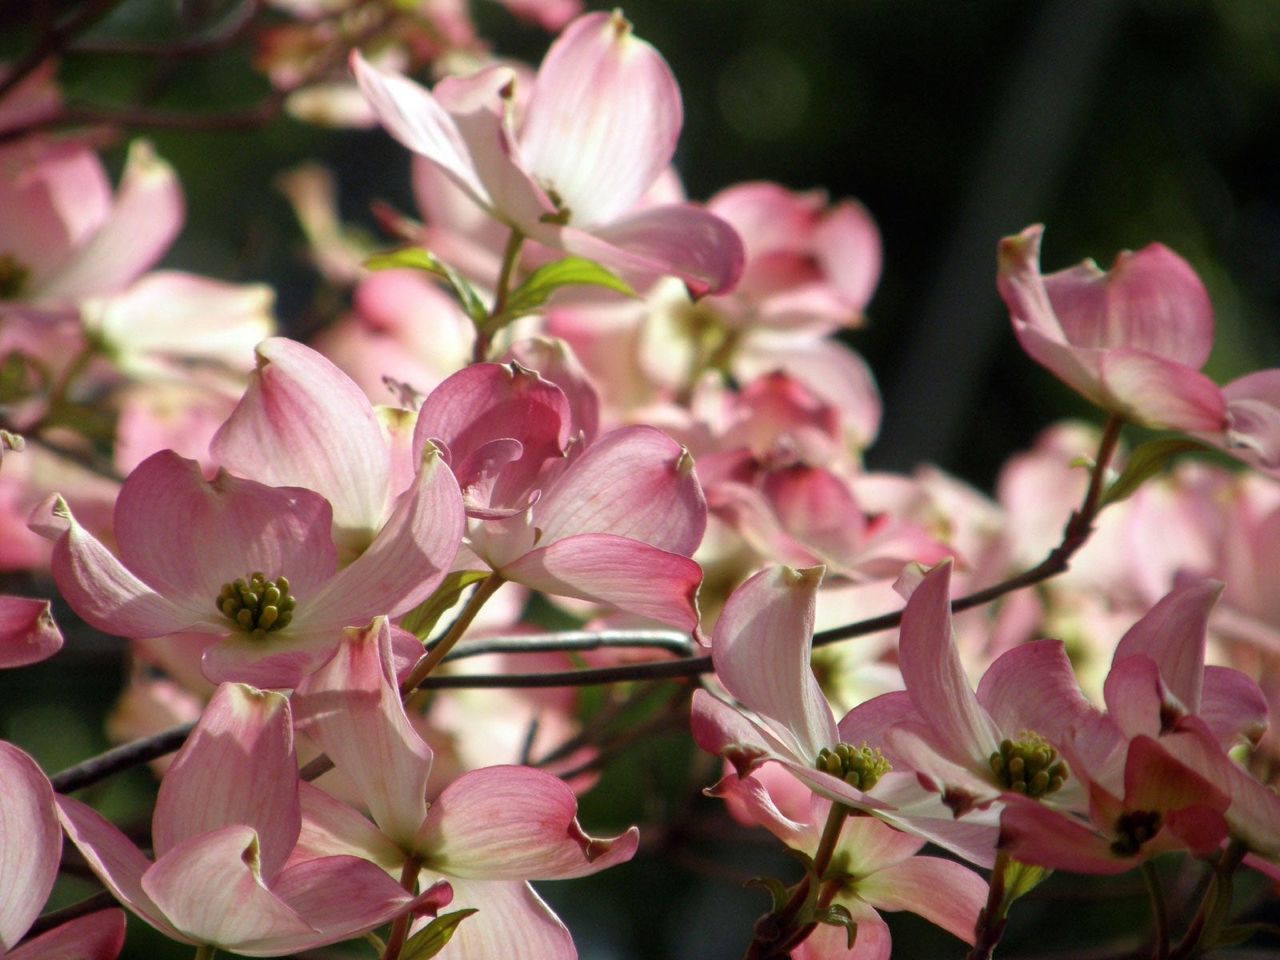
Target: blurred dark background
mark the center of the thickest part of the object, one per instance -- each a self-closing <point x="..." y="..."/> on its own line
<point x="1114" y="122"/>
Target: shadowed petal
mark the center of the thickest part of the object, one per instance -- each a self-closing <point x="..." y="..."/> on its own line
<point x="98" y="936"/>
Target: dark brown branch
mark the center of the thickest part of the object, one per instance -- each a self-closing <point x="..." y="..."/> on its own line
<point x="55" y="40"/>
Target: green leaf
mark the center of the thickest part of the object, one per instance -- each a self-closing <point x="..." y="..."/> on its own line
<point x="1020" y="879"/>
<point x="1145" y="462"/>
<point x="415" y="258"/>
<point x="431" y="939"/>
<point x="838" y="916"/>
<point x="421" y="620"/>
<point x="539" y="285"/>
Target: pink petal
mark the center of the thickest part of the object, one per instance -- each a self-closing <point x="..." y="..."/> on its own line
<point x="343" y="897"/>
<point x="491" y="401"/>
<point x="512" y="922"/>
<point x="237" y="767"/>
<point x="934" y="676"/>
<point x="103" y="592"/>
<point x="678" y="240"/>
<point x="187" y="536"/>
<point x="627" y="574"/>
<point x="1033" y="833"/>
<point x="1150" y="301"/>
<point x="634" y="482"/>
<point x="819" y="508"/>
<point x="480" y="106"/>
<point x="1172" y="634"/>
<point x="210" y="888"/>
<point x="914" y="885"/>
<point x="553" y="360"/>
<point x="30" y="843"/>
<point x="1253" y="416"/>
<point x="143" y="221"/>
<point x="411" y="115"/>
<point x="332" y="828"/>
<point x="351" y="707"/>
<point x="511" y="823"/>
<point x="761" y="647"/>
<point x="115" y="860"/>
<point x="847" y="246"/>
<point x="1232" y="706"/>
<point x="1160" y="393"/>
<point x="1154" y="780"/>
<point x="166" y="316"/>
<point x="1135" y="696"/>
<point x="52" y="197"/>
<point x="1033" y="687"/>
<point x="27" y="632"/>
<point x="872" y="942"/>
<point x="404" y="563"/>
<point x="603" y="119"/>
<point x="97" y="936"/>
<point x="299" y="402"/>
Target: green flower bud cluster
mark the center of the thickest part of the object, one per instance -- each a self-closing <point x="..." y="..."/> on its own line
<point x="1133" y="829"/>
<point x="860" y="767"/>
<point x="257" y="605"/>
<point x="1028" y="766"/>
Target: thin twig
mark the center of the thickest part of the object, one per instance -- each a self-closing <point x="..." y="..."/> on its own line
<point x="120" y="758"/>
<point x="220" y="37"/>
<point x="54" y="40"/>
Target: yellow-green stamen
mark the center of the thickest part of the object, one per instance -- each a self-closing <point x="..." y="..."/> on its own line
<point x="257" y="604"/>
<point x="1028" y="766"/>
<point x="860" y="767"/>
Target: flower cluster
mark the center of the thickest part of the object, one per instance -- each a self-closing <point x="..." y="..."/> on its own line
<point x="571" y="395"/>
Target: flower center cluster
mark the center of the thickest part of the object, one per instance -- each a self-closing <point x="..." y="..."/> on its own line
<point x="1133" y="829"/>
<point x="257" y="604"/>
<point x="860" y="767"/>
<point x="1029" y="766"/>
<point x="13" y="276"/>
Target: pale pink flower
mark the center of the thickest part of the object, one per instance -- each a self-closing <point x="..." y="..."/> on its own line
<point x="601" y="125"/>
<point x="226" y="822"/>
<point x="487" y="832"/>
<point x="1131" y="340"/>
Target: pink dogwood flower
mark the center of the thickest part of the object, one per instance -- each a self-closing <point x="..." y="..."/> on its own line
<point x="615" y="523"/>
<point x="975" y="747"/>
<point x="1131" y="340"/>
<point x="488" y="832"/>
<point x="30" y="850"/>
<point x="761" y="649"/>
<point x="253" y="565"/>
<point x="226" y="822"/>
<point x="600" y="126"/>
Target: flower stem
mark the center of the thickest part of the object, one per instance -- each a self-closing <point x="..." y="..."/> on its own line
<point x="991" y="920"/>
<point x="432" y="658"/>
<point x="205" y="951"/>
<point x="1159" y="912"/>
<point x="777" y="935"/>
<point x="485" y="332"/>
<point x="400" y="926"/>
